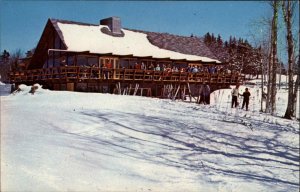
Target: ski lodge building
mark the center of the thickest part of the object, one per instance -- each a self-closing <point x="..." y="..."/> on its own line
<point x="107" y="58"/>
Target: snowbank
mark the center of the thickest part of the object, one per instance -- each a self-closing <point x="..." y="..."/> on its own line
<point x="25" y="89"/>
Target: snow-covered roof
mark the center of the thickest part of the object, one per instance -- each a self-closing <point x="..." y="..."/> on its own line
<point x="78" y="37"/>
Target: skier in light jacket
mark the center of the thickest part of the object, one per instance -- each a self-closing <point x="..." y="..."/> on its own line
<point x="235" y="94"/>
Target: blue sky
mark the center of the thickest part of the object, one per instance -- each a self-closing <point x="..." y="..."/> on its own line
<point x="22" y="22"/>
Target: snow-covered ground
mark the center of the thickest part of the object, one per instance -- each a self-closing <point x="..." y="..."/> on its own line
<point x="70" y="141"/>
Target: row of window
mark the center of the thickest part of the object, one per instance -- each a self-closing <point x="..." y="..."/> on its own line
<point x="56" y="60"/>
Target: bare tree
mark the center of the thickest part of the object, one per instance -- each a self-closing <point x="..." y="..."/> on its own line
<point x="14" y="59"/>
<point x="274" y="56"/>
<point x="269" y="69"/>
<point x="261" y="32"/>
<point x="273" y="61"/>
<point x="288" y="10"/>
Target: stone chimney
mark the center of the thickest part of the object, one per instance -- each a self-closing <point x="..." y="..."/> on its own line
<point x="114" y="24"/>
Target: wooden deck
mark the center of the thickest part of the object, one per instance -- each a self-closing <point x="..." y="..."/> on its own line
<point x="172" y="85"/>
<point x="75" y="74"/>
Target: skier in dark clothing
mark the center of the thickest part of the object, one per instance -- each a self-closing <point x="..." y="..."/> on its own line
<point x="246" y="96"/>
<point x="206" y="94"/>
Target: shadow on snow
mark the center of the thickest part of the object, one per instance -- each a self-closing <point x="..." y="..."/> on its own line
<point x="170" y="142"/>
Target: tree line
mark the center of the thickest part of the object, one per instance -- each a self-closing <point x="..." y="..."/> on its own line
<point x="238" y="54"/>
<point x="9" y="62"/>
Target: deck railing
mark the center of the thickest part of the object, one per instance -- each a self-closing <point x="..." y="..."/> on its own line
<point x="95" y="73"/>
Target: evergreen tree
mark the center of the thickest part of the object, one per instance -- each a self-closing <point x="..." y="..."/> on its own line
<point x="4" y="66"/>
<point x="226" y="44"/>
<point x="219" y="41"/>
<point x="239" y="55"/>
<point x="213" y="38"/>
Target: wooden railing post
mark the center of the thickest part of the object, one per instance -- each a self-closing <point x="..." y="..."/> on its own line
<point x="124" y="70"/>
<point x="144" y="72"/>
<point x="77" y="73"/>
<point x="59" y="72"/>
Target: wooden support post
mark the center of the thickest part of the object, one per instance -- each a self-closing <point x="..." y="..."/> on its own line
<point x="170" y="91"/>
<point x="136" y="89"/>
<point x="183" y="95"/>
<point x="167" y="91"/>
<point x="129" y="89"/>
<point x="190" y="93"/>
<point x="119" y="90"/>
<point x="116" y="89"/>
<point x="124" y="91"/>
<point x="199" y="94"/>
<point x="174" y="97"/>
<point x="149" y="92"/>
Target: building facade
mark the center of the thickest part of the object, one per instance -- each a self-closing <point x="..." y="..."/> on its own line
<point x="78" y="56"/>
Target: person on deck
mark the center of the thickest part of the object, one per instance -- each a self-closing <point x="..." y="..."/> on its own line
<point x="168" y="68"/>
<point x="137" y="66"/>
<point x="151" y="67"/>
<point x="235" y="94"/>
<point x="106" y="68"/>
<point x="246" y="96"/>
<point x="157" y="68"/>
<point x="195" y="69"/>
<point x="163" y="68"/>
<point x="108" y="65"/>
<point x="175" y="69"/>
<point x="143" y="67"/>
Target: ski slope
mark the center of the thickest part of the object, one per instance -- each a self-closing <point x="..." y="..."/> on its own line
<point x="70" y="141"/>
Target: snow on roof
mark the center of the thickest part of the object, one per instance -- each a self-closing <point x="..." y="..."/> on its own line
<point x="91" y="38"/>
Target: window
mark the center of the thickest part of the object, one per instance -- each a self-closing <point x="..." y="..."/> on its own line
<point x="180" y="65"/>
<point x="124" y="63"/>
<point x="81" y="60"/>
<point x="92" y="61"/>
<point x="70" y="60"/>
<point x="113" y="61"/>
